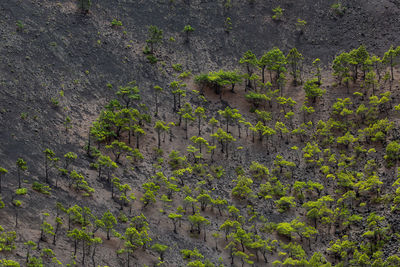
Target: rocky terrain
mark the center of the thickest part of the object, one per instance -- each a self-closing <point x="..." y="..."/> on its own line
<point x="290" y="179"/>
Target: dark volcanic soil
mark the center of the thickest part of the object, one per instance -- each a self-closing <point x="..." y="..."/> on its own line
<point x="59" y="49"/>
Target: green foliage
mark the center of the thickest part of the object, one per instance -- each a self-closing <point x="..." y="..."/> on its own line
<point x="85" y="5"/>
<point x="257" y="99"/>
<point x="108" y="222"/>
<point x="312" y="89"/>
<point x="177" y="67"/>
<point x="392" y="153"/>
<point x="391" y="59"/>
<point x="228" y="25"/>
<point x="7" y="240"/>
<point x="119" y="148"/>
<point x="259" y="171"/>
<point x="242" y="189"/>
<point x="224" y="138"/>
<point x="46" y="228"/>
<point x="129" y="93"/>
<point x="285" y="203"/>
<point x="188" y="29"/>
<point x="338" y="8"/>
<point x="20" y="25"/>
<point x="300" y="25"/>
<point x="341" y="247"/>
<point x="79" y="183"/>
<point x="3" y="172"/>
<point x="21" y="191"/>
<point x="319" y="209"/>
<point x="275" y="62"/>
<point x="155" y="37"/>
<point x="194" y="254"/>
<point x="44" y="189"/>
<point x="116" y="23"/>
<point x="149" y="196"/>
<point x="285" y="228"/>
<point x="278" y="13"/>
<point x="341" y="67"/>
<point x="160" y="248"/>
<point x="219" y="79"/>
<point x="21" y="166"/>
<point x="295" y="61"/>
<point x="9" y="263"/>
<point x="69" y="158"/>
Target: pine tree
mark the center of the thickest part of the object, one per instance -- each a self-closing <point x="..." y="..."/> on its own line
<point x="160" y="249"/>
<point x="390" y="59"/>
<point x="118" y="149"/>
<point x="155" y="36"/>
<point x="49" y="162"/>
<point x="85" y="5"/>
<point x="69" y="158"/>
<point x="187" y="114"/>
<point x="160" y="127"/>
<point x="295" y="61"/>
<point x="129" y="93"/>
<point x="317" y="70"/>
<point x="17" y="204"/>
<point x="109" y="221"/>
<point x="229" y="114"/>
<point x="312" y="89"/>
<point x="187" y="30"/>
<point x="276" y="62"/>
<point x="199" y="112"/>
<point x="21" y="166"/>
<point x="175" y="218"/>
<point x="105" y="163"/>
<point x="46" y="228"/>
<point x="250" y="61"/>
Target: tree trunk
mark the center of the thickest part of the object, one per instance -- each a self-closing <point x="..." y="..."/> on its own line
<point x="186" y="129"/>
<point x="159" y="139"/>
<point x="93" y="256"/>
<point x="19" y="178"/>
<point x="83" y="253"/>
<point x="263" y="74"/>
<point x="137" y="140"/>
<point x="16" y="217"/>
<point x="199" y="125"/>
<point x="265" y="257"/>
<point x="174" y="109"/>
<point x="55" y="234"/>
<point x="88" y="147"/>
<point x="75" y="245"/>
<point x="391" y="68"/>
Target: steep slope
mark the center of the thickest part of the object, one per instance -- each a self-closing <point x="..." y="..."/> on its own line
<point x="59" y="68"/>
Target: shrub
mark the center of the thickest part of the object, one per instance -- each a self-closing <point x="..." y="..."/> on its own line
<point x="338" y="8"/>
<point x="44" y="189"/>
<point x="278" y="13"/>
<point x="116" y="23"/>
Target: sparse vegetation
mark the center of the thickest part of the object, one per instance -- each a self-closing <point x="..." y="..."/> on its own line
<point x="278" y="13"/>
<point x="224" y="151"/>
